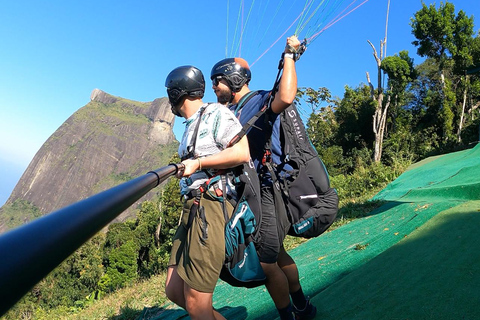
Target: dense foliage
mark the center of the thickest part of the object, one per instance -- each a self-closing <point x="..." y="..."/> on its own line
<point x="433" y="109"/>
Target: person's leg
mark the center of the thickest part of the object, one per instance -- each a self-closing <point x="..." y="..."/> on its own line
<point x="290" y="270"/>
<point x="199" y="305"/>
<point x="174" y="283"/>
<point x="269" y="246"/>
<point x="276" y="284"/>
<point x="202" y="259"/>
<point x="302" y="306"/>
<point x="174" y="287"/>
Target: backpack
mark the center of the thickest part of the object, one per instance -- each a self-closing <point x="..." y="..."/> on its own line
<point x="310" y="202"/>
<point x="241" y="267"/>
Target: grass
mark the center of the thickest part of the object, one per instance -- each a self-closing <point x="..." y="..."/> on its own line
<point x="124" y="304"/>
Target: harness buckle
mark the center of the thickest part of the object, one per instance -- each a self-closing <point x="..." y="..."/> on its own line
<point x="218" y="191"/>
<point x="266" y="157"/>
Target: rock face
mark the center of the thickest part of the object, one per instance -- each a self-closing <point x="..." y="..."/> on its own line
<point x="108" y="141"/>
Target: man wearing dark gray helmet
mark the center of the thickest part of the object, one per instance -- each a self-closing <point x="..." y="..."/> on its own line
<point x="230" y="79"/>
<point x="198" y="249"/>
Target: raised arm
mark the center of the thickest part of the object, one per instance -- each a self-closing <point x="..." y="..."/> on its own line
<point x="287" y="89"/>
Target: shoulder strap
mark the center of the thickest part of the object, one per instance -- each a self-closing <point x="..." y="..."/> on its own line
<point x="252" y="120"/>
<point x="193" y="143"/>
<point x="244" y="100"/>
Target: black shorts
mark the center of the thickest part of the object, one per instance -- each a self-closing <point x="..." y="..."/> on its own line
<point x="273" y="228"/>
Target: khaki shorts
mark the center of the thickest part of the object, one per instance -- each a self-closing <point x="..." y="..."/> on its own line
<point x="199" y="252"/>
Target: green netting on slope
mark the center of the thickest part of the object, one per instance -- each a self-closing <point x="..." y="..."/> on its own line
<point x="453" y="176"/>
<point x="415" y="197"/>
<point x="431" y="274"/>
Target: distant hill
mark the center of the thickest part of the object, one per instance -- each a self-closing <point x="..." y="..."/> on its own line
<point x="108" y="141"/>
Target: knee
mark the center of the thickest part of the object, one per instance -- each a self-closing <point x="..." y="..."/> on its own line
<point x="174" y="294"/>
<point x="199" y="306"/>
<point x="192" y="307"/>
<point x="284" y="259"/>
<point x="268" y="266"/>
<point x="271" y="270"/>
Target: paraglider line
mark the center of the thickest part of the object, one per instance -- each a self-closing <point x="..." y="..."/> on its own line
<point x="309" y="40"/>
<point x="315" y="29"/>
<point x="278" y="38"/>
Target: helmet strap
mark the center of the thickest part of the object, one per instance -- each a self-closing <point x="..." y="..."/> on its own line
<point x="175" y="111"/>
<point x="232" y="96"/>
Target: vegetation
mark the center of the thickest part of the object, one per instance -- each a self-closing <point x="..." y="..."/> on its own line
<point x="14" y="214"/>
<point x="425" y="109"/>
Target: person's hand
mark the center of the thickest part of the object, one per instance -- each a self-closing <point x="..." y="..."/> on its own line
<point x="191" y="165"/>
<point x="292" y="45"/>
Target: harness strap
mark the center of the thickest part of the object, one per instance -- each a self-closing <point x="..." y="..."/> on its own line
<point x="194" y="209"/>
<point x="191" y="147"/>
<point x="250" y="123"/>
<point x="224" y="191"/>
<point x="218" y="193"/>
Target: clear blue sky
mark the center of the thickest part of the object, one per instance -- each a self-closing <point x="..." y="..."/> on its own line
<point x="54" y="53"/>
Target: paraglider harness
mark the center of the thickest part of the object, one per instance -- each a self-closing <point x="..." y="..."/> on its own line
<point x="241" y="267"/>
<point x="301" y="179"/>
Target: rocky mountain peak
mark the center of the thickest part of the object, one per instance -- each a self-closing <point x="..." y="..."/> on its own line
<point x="108" y="141"/>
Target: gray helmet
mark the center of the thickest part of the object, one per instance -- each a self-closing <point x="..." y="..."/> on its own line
<point x="234" y="70"/>
<point x="184" y="81"/>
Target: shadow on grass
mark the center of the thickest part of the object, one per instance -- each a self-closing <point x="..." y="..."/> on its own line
<point x="432" y="274"/>
<point x="352" y="211"/>
<point x="161" y="313"/>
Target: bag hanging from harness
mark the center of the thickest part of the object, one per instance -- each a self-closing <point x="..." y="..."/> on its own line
<point x="241" y="267"/>
<point x="311" y="203"/>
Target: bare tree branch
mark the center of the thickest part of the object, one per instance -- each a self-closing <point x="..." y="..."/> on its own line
<point x="372" y="89"/>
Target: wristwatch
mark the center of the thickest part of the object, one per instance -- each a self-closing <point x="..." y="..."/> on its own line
<point x="290" y="55"/>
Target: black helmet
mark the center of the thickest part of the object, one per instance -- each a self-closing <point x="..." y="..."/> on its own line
<point x="184" y="81"/>
<point x="234" y="70"/>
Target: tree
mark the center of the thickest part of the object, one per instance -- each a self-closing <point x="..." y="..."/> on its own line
<point x="146" y="227"/>
<point x="322" y="126"/>
<point x="74" y="279"/>
<point x="381" y="107"/>
<point x="354" y="117"/>
<point x="401" y="72"/>
<point x="122" y="266"/>
<point x="170" y="207"/>
<point x="120" y="255"/>
<point x="447" y="38"/>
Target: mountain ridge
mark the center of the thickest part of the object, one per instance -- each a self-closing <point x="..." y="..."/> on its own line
<point x="104" y="143"/>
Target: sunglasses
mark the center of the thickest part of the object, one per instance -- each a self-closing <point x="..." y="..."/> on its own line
<point x="216" y="80"/>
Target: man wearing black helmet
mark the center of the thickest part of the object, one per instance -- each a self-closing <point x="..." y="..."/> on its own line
<point x="198" y="249"/>
<point x="230" y="78"/>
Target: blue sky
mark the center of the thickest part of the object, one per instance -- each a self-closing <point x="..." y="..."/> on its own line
<point x="54" y="53"/>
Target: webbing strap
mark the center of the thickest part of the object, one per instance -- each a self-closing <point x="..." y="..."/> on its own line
<point x="243" y="101"/>
<point x="224" y="194"/>
<point x="194" y="209"/>
<point x="251" y="122"/>
<point x="193" y="143"/>
<point x="197" y="194"/>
